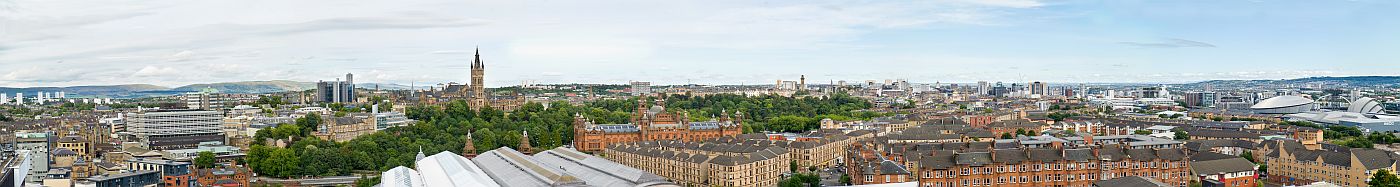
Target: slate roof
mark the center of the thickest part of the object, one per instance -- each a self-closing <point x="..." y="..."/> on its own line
<point x="1129" y="181"/>
<point x="1220" y="166"/>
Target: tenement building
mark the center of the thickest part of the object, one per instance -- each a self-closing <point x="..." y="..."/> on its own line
<point x="749" y="163"/>
<point x="1293" y="163"/>
<point x="1061" y="163"/>
<point x="652" y="124"/>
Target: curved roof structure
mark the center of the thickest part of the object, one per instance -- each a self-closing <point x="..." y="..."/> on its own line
<point x="1282" y="102"/>
<point x="1366" y="105"/>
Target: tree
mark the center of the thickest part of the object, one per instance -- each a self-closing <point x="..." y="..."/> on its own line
<point x="308" y="123"/>
<point x="1174" y="116"/>
<point x="792" y="166"/>
<point x="1006" y="135"/>
<point x="1248" y="156"/>
<point x="845" y="179"/>
<point x="1180" y="135"/>
<point x="1020" y="131"/>
<point x="204" y="160"/>
<point x="1142" y="132"/>
<point x="1383" y="178"/>
<point x="1031" y="133"/>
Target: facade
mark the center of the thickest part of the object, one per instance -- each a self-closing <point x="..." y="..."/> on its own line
<point x="651" y="125"/>
<point x="341" y="129"/>
<point x="336" y="91"/>
<point x="705" y="164"/>
<point x="385" y="120"/>
<point x="176" y="129"/>
<point x="1290" y="162"/>
<point x="139" y="178"/>
<point x="224" y="176"/>
<point x="971" y="164"/>
<point x="1200" y="99"/>
<point x="171" y="173"/>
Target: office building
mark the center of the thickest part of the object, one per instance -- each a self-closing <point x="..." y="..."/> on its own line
<point x="205" y="99"/>
<point x="640" y="88"/>
<point x="336" y="91"/>
<point x="1039" y="88"/>
<point x="1200" y="99"/>
<point x="176" y="129"/>
<point x="139" y="178"/>
<point x="171" y="173"/>
<point x="385" y="120"/>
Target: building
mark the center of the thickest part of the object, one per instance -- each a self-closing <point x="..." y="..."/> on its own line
<point x="479" y="97"/>
<point x="651" y="124"/>
<point x="705" y="164"/>
<point x="171" y="173"/>
<point x="509" y="168"/>
<point x="1222" y="169"/>
<point x="640" y="88"/>
<point x="140" y="178"/>
<point x="336" y="91"/>
<point x="205" y="99"/>
<point x="1007" y="164"/>
<point x="384" y="120"/>
<point x="1038" y="88"/>
<point x="224" y="176"/>
<point x="1291" y="163"/>
<point x="443" y="169"/>
<point x="176" y="129"/>
<point x="1286" y="104"/>
<point x="1200" y="99"/>
<point x="341" y="129"/>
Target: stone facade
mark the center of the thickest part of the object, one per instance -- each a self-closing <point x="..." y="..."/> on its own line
<point x="1291" y="162"/>
<point x="982" y="164"/>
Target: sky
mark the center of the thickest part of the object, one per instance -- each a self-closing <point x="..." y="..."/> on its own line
<point x="175" y="42"/>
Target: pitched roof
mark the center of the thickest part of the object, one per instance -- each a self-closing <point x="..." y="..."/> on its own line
<point x="1220" y="166"/>
<point x="1129" y="181"/>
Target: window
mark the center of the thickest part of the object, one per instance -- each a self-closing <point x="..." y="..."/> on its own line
<point x="869" y="178"/>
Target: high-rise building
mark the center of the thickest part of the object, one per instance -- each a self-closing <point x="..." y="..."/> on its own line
<point x="4" y="98"/>
<point x="19" y="98"/>
<point x="1038" y="88"/>
<point x="984" y="88"/>
<point x="1203" y="99"/>
<point x="205" y="99"/>
<point x="336" y="91"/>
<point x="176" y="129"/>
<point x="640" y="88"/>
<point x="478" y="86"/>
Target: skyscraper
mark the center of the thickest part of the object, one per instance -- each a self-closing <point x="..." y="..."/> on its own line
<point x="1038" y="88"/>
<point x="478" y="98"/>
<point x="983" y="87"/>
<point x="336" y="91"/>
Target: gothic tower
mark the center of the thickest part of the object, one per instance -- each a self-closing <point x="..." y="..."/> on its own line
<point x="478" y="98"/>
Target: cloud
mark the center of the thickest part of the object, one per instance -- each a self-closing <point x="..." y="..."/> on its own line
<point x="1169" y="43"/>
<point x="1005" y="3"/>
<point x="153" y="71"/>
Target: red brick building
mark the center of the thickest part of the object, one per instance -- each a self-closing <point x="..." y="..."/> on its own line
<point x="651" y="124"/>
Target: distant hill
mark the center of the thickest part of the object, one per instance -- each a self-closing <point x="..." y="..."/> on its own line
<point x="1361" y="81"/>
<point x="250" y="86"/>
<point x="73" y="91"/>
<point x="147" y="90"/>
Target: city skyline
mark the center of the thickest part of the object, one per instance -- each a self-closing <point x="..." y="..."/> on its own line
<point x="172" y="43"/>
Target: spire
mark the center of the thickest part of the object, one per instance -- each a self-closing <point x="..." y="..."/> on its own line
<point x="469" y="150"/>
<point x="525" y="142"/>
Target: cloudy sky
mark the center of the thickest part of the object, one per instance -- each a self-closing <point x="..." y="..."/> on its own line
<point x="176" y="42"/>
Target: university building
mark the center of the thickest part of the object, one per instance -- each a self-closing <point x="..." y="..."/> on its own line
<point x="652" y="124"/>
